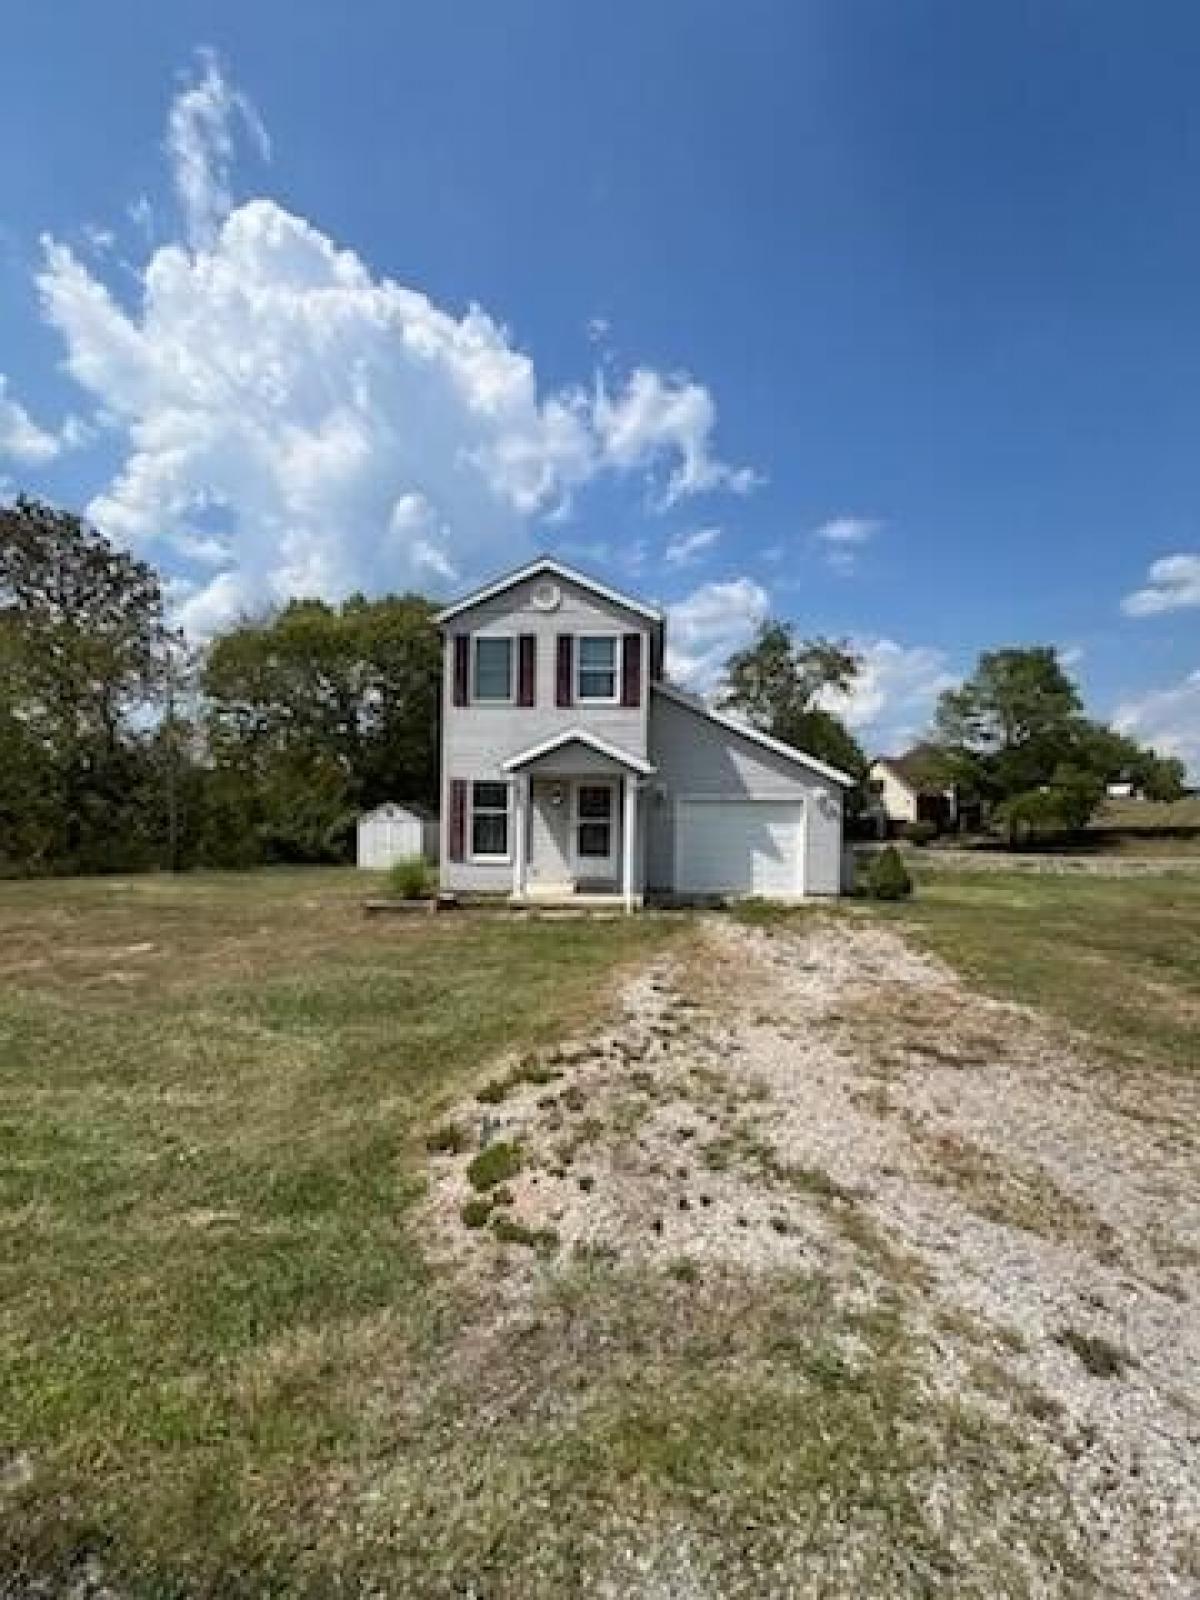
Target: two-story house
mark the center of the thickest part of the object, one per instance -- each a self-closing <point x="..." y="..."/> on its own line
<point x="571" y="767"/>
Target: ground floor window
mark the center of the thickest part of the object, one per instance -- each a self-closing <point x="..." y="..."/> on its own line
<point x="489" y="821"/>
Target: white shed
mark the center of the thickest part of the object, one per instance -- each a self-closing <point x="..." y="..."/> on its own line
<point x="391" y="832"/>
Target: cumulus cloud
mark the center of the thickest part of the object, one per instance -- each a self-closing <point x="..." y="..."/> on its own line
<point x="705" y="628"/>
<point x="892" y="700"/>
<point x="21" y="439"/>
<point x="842" y="538"/>
<point x="1173" y="583"/>
<point x="295" y="424"/>
<point x="1168" y="719"/>
<point x="683" y="548"/>
<point x="655" y="418"/>
<point x="205" y="117"/>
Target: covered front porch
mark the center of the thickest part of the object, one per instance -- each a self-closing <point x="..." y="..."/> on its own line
<point x="578" y="830"/>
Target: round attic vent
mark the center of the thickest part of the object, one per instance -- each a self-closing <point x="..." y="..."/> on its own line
<point x="546" y="596"/>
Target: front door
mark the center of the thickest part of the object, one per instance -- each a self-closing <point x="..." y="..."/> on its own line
<point x="594" y="828"/>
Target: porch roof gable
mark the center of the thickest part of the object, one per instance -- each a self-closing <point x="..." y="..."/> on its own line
<point x="590" y="741"/>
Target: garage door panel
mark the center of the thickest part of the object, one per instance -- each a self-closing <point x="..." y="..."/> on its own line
<point x="740" y="847"/>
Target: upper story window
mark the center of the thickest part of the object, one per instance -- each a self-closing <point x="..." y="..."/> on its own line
<point x="492" y="673"/>
<point x="596" y="676"/>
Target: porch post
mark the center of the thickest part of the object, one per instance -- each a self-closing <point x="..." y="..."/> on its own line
<point x="520" y="830"/>
<point x="628" y="850"/>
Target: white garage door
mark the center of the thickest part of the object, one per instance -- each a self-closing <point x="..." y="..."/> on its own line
<point x="740" y="847"/>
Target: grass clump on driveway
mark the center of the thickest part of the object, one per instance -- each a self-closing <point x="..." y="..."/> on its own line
<point x="496" y="1164"/>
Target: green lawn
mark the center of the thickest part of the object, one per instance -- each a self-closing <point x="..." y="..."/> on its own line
<point x="233" y="1363"/>
<point x="1118" y="958"/>
<point x="213" y="1096"/>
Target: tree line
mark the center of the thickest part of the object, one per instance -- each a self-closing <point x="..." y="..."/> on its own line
<point x="124" y="748"/>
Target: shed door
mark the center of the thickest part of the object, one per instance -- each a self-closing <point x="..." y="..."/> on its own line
<point x="740" y="847"/>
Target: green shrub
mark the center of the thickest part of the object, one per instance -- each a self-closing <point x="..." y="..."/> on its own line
<point x="888" y="878"/>
<point x="476" y="1211"/>
<point x="447" y="1140"/>
<point x="410" y="878"/>
<point x="492" y="1093"/>
<point x="495" y="1164"/>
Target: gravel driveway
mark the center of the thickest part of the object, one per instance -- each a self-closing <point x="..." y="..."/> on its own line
<point x="827" y="1096"/>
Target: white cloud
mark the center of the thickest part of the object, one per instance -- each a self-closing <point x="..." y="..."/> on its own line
<point x="21" y="438"/>
<point x="683" y="548"/>
<point x="705" y="628"/>
<point x="656" y="416"/>
<point x="892" y="701"/>
<point x="1173" y="583"/>
<point x="200" y="143"/>
<point x="1168" y="719"/>
<point x="843" y="538"/>
<point x="294" y="424"/>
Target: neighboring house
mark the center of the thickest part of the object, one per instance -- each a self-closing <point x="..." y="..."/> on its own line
<point x="570" y="767"/>
<point x="903" y="795"/>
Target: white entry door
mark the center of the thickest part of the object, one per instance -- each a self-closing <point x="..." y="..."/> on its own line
<point x="594" y="828"/>
<point x="740" y="847"/>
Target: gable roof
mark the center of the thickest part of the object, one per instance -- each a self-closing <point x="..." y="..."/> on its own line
<point x="557" y="569"/>
<point x="777" y="746"/>
<point x="623" y="758"/>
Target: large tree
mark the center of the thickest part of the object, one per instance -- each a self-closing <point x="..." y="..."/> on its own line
<point x="83" y="650"/>
<point x="1014" y="735"/>
<point x="321" y="710"/>
<point x="779" y="684"/>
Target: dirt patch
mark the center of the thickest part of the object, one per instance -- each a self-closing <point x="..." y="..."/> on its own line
<point x="830" y="1100"/>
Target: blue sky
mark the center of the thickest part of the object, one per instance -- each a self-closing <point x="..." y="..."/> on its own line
<point x="881" y="316"/>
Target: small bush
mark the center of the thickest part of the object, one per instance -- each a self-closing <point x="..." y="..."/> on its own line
<point x="447" y="1140"/>
<point x="888" y="878"/>
<point x="476" y="1211"/>
<point x="495" y="1164"/>
<point x="410" y="878"/>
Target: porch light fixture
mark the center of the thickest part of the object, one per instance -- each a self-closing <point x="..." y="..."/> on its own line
<point x="556" y="795"/>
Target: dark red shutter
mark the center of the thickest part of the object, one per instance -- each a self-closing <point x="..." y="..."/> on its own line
<point x="563" y="684"/>
<point x="457" y="842"/>
<point x="526" y="668"/>
<point x="656" y="663"/>
<point x="462" y="668"/>
<point x="631" y="669"/>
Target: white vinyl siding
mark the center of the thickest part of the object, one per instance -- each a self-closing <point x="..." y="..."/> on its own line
<point x="492" y="669"/>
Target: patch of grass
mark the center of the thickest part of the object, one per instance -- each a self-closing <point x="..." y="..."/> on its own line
<point x="496" y="1164"/>
<point x="215" y="1094"/>
<point x="508" y="1230"/>
<point x="447" y="1139"/>
<point x="1117" y="958"/>
<point x="476" y="1211"/>
<point x="1100" y="1356"/>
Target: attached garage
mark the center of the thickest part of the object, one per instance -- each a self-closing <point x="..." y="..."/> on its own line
<point x="731" y="811"/>
<point x="740" y="846"/>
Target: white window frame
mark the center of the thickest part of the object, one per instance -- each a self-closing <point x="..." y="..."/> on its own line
<point x="487" y="859"/>
<point x="510" y="699"/>
<point x="613" y="699"/>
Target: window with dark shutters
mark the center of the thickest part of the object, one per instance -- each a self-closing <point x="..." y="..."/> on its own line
<point x="565" y="666"/>
<point x="631" y="669"/>
<point x="462" y="667"/>
<point x="456" y="843"/>
<point x="526" y="669"/>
